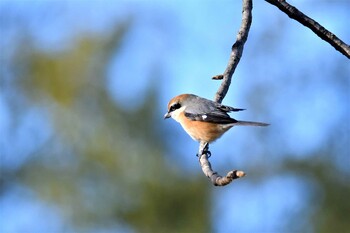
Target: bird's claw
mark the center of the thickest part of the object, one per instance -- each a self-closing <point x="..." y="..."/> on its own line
<point x="208" y="153"/>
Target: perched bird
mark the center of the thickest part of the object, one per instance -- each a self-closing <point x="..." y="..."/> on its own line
<point x="204" y="120"/>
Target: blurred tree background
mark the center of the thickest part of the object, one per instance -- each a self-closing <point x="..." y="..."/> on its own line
<point x="75" y="159"/>
<point x="103" y="166"/>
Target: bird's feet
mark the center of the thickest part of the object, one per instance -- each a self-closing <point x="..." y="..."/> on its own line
<point x="204" y="149"/>
<point x="207" y="152"/>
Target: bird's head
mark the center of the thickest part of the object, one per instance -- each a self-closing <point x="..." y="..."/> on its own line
<point x="177" y="105"/>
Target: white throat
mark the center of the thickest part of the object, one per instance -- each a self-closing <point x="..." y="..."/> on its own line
<point x="176" y="114"/>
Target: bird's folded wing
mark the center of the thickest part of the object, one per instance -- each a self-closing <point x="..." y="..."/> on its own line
<point x="218" y="118"/>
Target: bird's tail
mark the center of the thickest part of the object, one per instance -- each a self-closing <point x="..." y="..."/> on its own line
<point x="251" y="123"/>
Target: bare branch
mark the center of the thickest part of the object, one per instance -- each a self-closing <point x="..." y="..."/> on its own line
<point x="235" y="56"/>
<point x="236" y="52"/>
<point x="319" y="30"/>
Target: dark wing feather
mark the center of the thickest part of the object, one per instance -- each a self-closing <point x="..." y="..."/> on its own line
<point x="210" y="117"/>
<point x="229" y="109"/>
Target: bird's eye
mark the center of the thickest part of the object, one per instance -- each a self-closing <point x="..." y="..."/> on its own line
<point x="174" y="107"/>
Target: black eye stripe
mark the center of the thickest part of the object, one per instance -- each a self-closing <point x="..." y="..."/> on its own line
<point x="174" y="107"/>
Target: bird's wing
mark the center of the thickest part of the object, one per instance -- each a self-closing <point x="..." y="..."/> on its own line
<point x="211" y="117"/>
<point x="210" y="111"/>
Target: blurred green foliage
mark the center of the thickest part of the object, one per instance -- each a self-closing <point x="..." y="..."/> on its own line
<point x="103" y="166"/>
<point x="106" y="169"/>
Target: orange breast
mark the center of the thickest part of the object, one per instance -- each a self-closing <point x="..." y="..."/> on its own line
<point x="202" y="131"/>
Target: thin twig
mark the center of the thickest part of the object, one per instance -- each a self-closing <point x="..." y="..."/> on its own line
<point x="318" y="29"/>
<point x="235" y="56"/>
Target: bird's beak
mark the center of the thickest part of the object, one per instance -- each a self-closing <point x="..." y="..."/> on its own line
<point x="167" y="115"/>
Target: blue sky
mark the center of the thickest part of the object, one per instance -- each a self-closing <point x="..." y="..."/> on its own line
<point x="287" y="77"/>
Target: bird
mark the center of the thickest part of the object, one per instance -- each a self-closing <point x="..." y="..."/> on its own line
<point x="204" y="120"/>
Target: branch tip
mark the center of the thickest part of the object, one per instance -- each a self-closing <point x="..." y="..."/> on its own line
<point x="218" y="77"/>
<point x="236" y="174"/>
